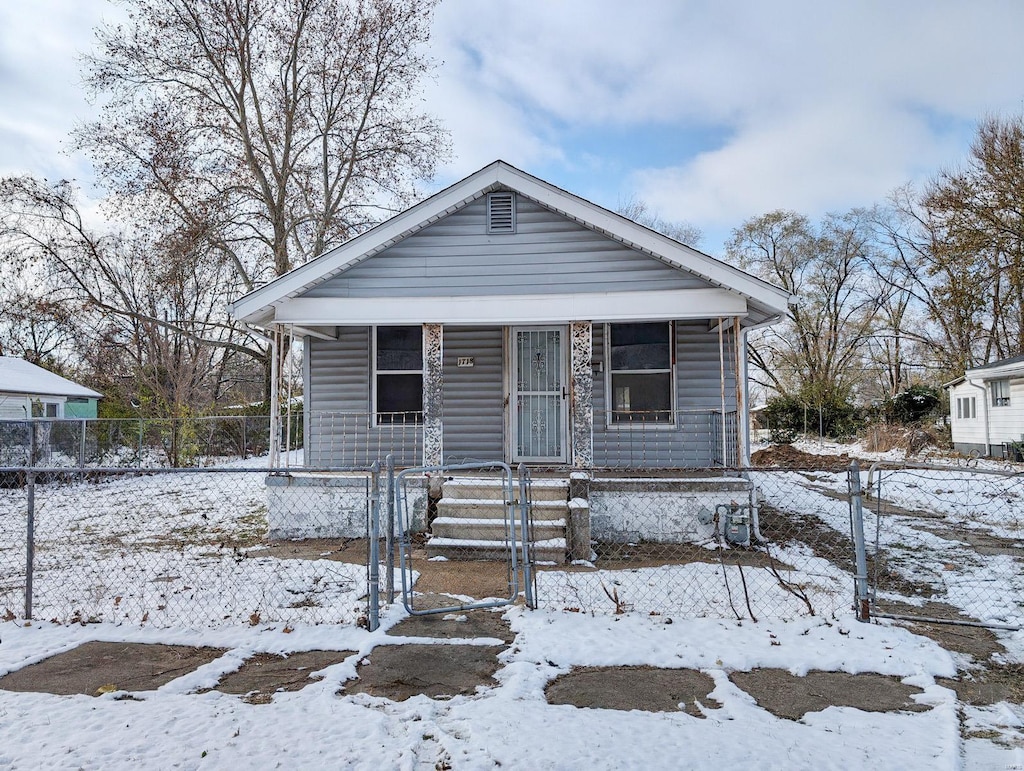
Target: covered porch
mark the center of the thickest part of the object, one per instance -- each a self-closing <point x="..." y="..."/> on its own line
<point x="665" y="394"/>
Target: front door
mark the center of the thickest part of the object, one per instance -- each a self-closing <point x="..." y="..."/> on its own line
<point x="539" y="395"/>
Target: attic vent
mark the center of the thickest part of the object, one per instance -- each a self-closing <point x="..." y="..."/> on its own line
<point x="501" y="213"/>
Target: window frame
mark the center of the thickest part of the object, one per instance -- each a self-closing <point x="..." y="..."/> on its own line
<point x="44" y="407"/>
<point x="966" y="408"/>
<point x="609" y="398"/>
<point x="1003" y="399"/>
<point x="375" y="421"/>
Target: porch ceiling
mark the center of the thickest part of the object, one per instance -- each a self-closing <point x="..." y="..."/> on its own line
<point x="523" y="309"/>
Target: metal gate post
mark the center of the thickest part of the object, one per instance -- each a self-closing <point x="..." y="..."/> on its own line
<point x="863" y="600"/>
<point x="389" y="532"/>
<point x="373" y="588"/>
<point x="30" y="541"/>
<point x="527" y="537"/>
<point x="81" y="446"/>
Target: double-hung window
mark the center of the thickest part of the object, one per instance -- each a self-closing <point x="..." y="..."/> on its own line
<point x="1000" y="393"/>
<point x="640" y="358"/>
<point x="966" y="408"/>
<point x="398" y="374"/>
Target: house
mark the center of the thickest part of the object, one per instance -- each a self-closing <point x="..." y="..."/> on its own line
<point x="28" y="391"/>
<point x="986" y="408"/>
<point x="506" y="319"/>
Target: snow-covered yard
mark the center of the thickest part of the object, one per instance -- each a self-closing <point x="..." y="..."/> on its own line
<point x="178" y="559"/>
<point x="166" y="549"/>
<point x="510" y="725"/>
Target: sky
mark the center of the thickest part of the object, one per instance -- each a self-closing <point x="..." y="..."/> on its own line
<point x="710" y="112"/>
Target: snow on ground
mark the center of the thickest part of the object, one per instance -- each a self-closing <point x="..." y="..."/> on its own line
<point x="702" y="589"/>
<point x="511" y="724"/>
<point x="169" y="548"/>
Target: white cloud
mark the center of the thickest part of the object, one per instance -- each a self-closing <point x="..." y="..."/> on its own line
<point x="826" y="157"/>
<point x="815" y="106"/>
<point x="795" y="103"/>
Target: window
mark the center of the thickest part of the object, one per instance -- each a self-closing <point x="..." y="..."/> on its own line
<point x="398" y="374"/>
<point x="640" y="366"/>
<point x="1000" y="393"/>
<point x="966" y="408"/>
<point x="45" y="409"/>
<point x="501" y="213"/>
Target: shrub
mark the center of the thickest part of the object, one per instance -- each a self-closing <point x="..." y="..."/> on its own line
<point x="913" y="404"/>
<point x="786" y="417"/>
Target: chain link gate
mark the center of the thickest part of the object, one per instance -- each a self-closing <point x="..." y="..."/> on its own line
<point x="940" y="544"/>
<point x="478" y="516"/>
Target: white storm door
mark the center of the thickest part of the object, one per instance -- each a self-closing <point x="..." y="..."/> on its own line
<point x="539" y="391"/>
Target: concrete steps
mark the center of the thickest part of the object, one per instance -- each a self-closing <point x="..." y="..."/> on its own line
<point x="471" y="521"/>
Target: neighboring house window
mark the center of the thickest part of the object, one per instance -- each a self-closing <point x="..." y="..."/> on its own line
<point x="1000" y="393"/>
<point x="398" y="374"/>
<point x="45" y="409"/>
<point x="501" y="213"/>
<point x="966" y="408"/>
<point x="640" y="366"/>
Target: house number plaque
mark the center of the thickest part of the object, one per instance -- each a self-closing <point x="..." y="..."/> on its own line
<point x="465" y="361"/>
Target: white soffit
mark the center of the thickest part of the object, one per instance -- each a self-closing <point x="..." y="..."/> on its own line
<point x="521" y="309"/>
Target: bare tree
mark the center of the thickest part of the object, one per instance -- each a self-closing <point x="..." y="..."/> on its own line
<point x="817" y="355"/>
<point x="948" y="286"/>
<point x="270" y="128"/>
<point x="146" y="308"/>
<point x="640" y="212"/>
<point x="35" y="323"/>
<point x="980" y="211"/>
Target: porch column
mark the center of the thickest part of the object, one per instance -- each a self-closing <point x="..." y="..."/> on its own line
<point x="433" y="394"/>
<point x="581" y="388"/>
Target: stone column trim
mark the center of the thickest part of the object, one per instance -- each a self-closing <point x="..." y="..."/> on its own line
<point x="433" y="394"/>
<point x="581" y="341"/>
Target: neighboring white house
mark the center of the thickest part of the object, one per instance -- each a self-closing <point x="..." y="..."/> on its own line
<point x="986" y="408"/>
<point x="28" y="391"/>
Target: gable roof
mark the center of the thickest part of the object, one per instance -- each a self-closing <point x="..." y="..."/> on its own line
<point x="257" y="306"/>
<point x="18" y="376"/>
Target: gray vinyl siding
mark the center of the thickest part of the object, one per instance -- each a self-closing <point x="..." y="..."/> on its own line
<point x="338" y="426"/>
<point x="474" y="396"/>
<point x="547" y="254"/>
<point x="338" y="430"/>
<point x="698" y="403"/>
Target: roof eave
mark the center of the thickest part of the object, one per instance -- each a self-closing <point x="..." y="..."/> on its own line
<point x="257" y="307"/>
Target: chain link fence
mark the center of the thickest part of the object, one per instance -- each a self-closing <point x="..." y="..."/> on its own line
<point x="222" y="545"/>
<point x="185" y="547"/>
<point x="138" y="442"/>
<point x="707" y="543"/>
<point x="945" y="543"/>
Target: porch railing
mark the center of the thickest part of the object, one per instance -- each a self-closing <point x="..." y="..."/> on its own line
<point x="665" y="439"/>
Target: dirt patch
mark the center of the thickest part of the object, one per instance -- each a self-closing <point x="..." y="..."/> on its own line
<point x="611" y="556"/>
<point x="399" y="672"/>
<point x="102" y="667"/>
<point x="993" y="684"/>
<point x="265" y="674"/>
<point x="984" y="543"/>
<point x="351" y="550"/>
<point x="644" y="688"/>
<point x="979" y="643"/>
<point x="468" y="624"/>
<point x="780" y="526"/>
<point x="788" y="696"/>
<point x="472" y="578"/>
<point x="788" y="456"/>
